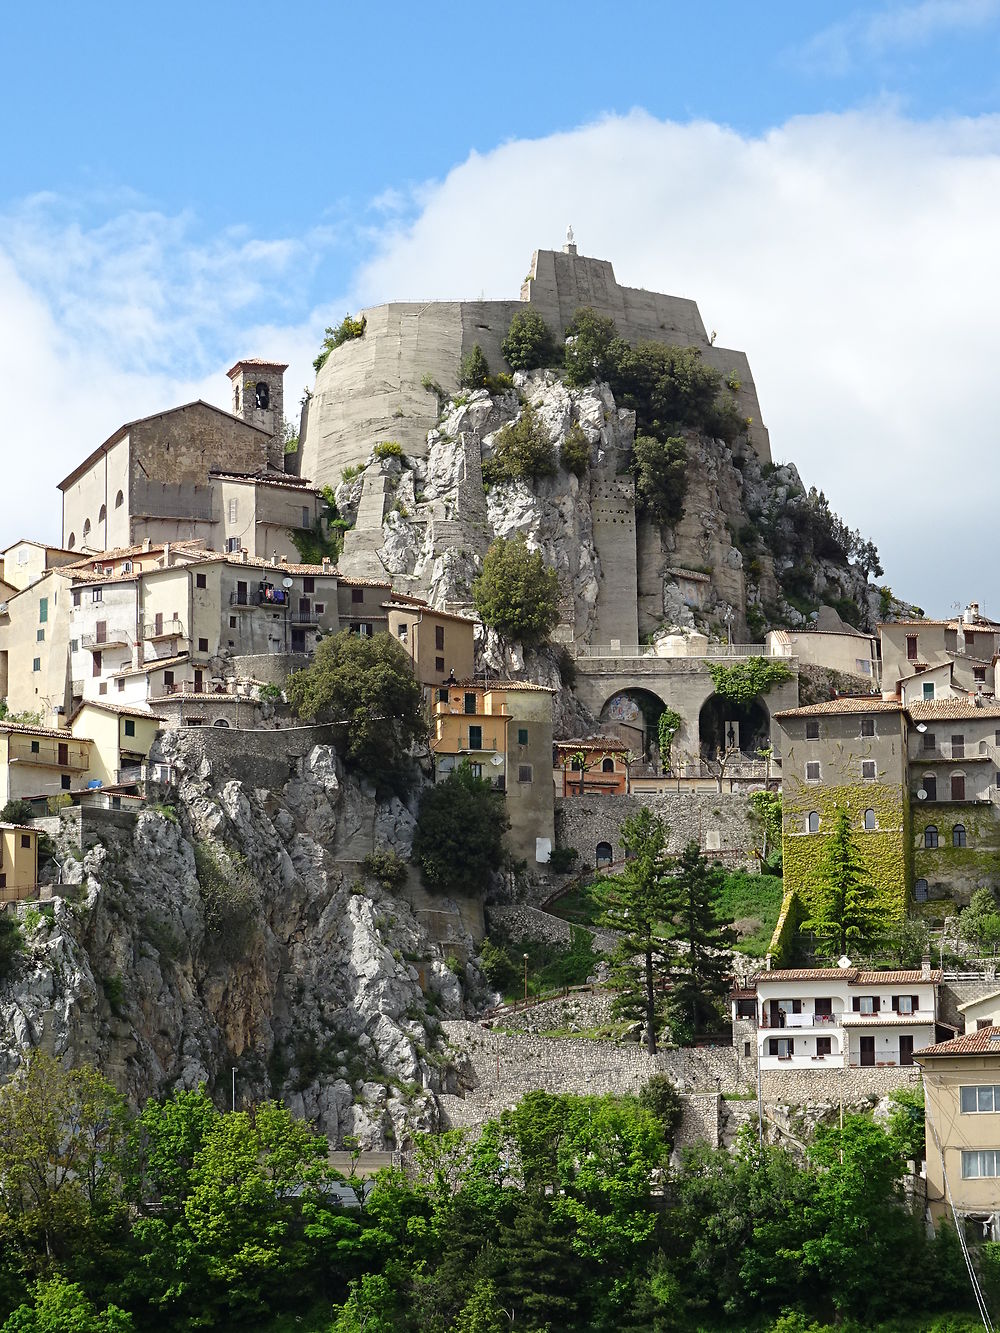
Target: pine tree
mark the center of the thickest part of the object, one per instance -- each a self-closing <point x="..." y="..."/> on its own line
<point x="846" y="914"/>
<point x="474" y="370"/>
<point x="638" y="908"/>
<point x="700" y="973"/>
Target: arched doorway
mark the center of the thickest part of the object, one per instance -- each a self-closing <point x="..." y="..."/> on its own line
<point x="725" y="726"/>
<point x="633" y="715"/>
<point x="604" y="855"/>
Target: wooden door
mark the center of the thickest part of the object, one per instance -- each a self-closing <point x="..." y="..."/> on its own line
<point x="867" y="1050"/>
<point x="958" y="787"/>
<point x="906" y="1050"/>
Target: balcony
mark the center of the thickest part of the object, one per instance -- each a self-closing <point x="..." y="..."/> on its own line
<point x="487" y="744"/>
<point x="112" y="637"/>
<point x="949" y="753"/>
<point x="276" y="599"/>
<point x="796" y="1022"/>
<point x="162" y="628"/>
<point x="303" y="617"/>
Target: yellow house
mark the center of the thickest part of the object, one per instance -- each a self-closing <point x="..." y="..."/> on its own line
<point x="18" y="862"/>
<point x="962" y="1127"/>
<point x="37" y="761"/>
<point x="438" y="642"/>
<point x="120" y="739"/>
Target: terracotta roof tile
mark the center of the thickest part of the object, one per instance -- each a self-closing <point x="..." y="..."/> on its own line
<point x="124" y="710"/>
<point x="255" y="361"/>
<point x="944" y="710"/>
<point x="863" y="703"/>
<point x="852" y="975"/>
<point x="62" y="732"/>
<point x="431" y="610"/>
<point x="984" y="1042"/>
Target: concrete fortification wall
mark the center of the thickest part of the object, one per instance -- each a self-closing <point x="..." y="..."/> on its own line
<point x="370" y="389"/>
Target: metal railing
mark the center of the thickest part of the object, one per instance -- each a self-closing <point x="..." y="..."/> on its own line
<point x="712" y="650"/>
<point x="112" y="638"/>
<point x="163" y="629"/>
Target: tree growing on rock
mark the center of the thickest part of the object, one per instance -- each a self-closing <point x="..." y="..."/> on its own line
<point x="474" y="370"/>
<point x="846" y="913"/>
<point x="366" y="686"/>
<point x="516" y="594"/>
<point x="459" y="837"/>
<point x="660" y="471"/>
<point x="529" y="344"/>
<point x="522" y="451"/>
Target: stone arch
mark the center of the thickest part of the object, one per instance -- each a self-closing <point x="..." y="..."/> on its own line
<point x="634" y="713"/>
<point x="604" y="854"/>
<point x="220" y="722"/>
<point x="724" y="725"/>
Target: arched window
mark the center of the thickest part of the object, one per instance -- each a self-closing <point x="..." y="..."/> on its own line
<point x="930" y="835"/>
<point x="870" y="819"/>
<point x="604" y="854"/>
<point x="71" y="541"/>
<point x="262" y="395"/>
<point x="119" y="500"/>
<point x="920" y="891"/>
<point x="220" y="722"/>
<point x="102" y="514"/>
<point x="86" y="528"/>
<point x="812" y="821"/>
<point x="608" y="766"/>
<point x="958" y="836"/>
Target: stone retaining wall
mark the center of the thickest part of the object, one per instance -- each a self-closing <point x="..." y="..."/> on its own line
<point x="521" y="922"/>
<point x="797" y="1086"/>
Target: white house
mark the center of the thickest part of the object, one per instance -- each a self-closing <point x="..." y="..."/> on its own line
<point x="806" y="1018"/>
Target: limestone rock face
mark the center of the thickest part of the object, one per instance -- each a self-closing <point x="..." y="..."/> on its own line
<point x="235" y="928"/>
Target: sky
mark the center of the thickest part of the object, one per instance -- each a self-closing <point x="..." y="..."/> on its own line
<point x="184" y="187"/>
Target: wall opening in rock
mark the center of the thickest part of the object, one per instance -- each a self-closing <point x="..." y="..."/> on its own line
<point x="724" y="725"/>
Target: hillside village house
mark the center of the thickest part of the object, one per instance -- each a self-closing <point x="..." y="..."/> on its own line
<point x="594" y="767"/>
<point x="18" y="862"/>
<point x="809" y="1018"/>
<point x="962" y="1128"/>
<point x="846" y="650"/>
<point x="968" y="643"/>
<point x="24" y="563"/>
<point x="439" y="643"/>
<point x="39" y="761"/>
<point x="504" y="730"/>
<point x="120" y="739"/>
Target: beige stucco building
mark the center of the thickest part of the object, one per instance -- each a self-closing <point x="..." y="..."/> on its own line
<point x="439" y="644"/>
<point x="18" y="862"/>
<point x="40" y="761"/>
<point x="969" y="643"/>
<point x="119" y="740"/>
<point x="851" y="652"/>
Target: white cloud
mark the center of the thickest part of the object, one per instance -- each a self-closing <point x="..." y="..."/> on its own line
<point x="852" y="257"/>
<point x="866" y="34"/>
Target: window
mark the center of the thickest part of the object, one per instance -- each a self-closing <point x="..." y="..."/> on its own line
<point x="439" y="664"/>
<point x="958" y="836"/>
<point x="129" y="727"/>
<point x="402" y="631"/>
<point x="868" y="770"/>
<point x="920" y="891"/>
<point x="23" y="555"/>
<point x="607" y="765"/>
<point x="62" y="753"/>
<point x="200" y="581"/>
<point x="120" y="685"/>
<point x="979" y="1163"/>
<point x="305" y="606"/>
<point x="931" y="835"/>
<point x="812" y="771"/>
<point x="958" y="746"/>
<point x="74" y="645"/>
<point x="36" y="664"/>
<point x="119" y="500"/>
<point x="475" y="738"/>
<point x="443" y="695"/>
<point x="232" y="623"/>
<point x="746" y="1050"/>
<point x="203" y="645"/>
<point x="98" y="662"/>
<point x="43" y="610"/>
<point x="866" y="1004"/>
<point x="439" y="638"/>
<point x="35" y="748"/>
<point x="26" y="840"/>
<point x="812" y="821"/>
<point x="39" y="636"/>
<point x="929" y="782"/>
<point x="868" y="726"/>
<point x="308" y="585"/>
<point x="911" y="647"/>
<point x="905" y="1004"/>
<point x="76" y="596"/>
<point x="470" y="703"/>
<point x="958" y="786"/>
<point x="604" y="855"/>
<point x="305" y="516"/>
<point x="320" y="608"/>
<point x="97" y="595"/>
<point x="233" y="510"/>
<point x="64" y="781"/>
<point x="168" y="678"/>
<point x="86" y="528"/>
<point x="782" y="1047"/>
<point x="870" y="819"/>
<point x="522" y="737"/>
<point x="812" y="729"/>
<point x="232" y="545"/>
<point x="929" y="740"/>
<point x="824" y="1046"/>
<point x="979" y="673"/>
<point x="477" y="770"/>
<point x="980" y="1097"/>
<point x="357" y="595"/>
<point x="524" y="772"/>
<point x="928" y="688"/>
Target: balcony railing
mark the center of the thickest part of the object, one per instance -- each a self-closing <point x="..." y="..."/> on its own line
<point x="487" y="744"/>
<point x="164" y="629"/>
<point x="304" y="617"/>
<point x="801" y="1021"/>
<point x="711" y="650"/>
<point x="111" y="638"/>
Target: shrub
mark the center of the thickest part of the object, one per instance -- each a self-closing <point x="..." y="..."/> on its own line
<point x="574" y="454"/>
<point x="562" y="859"/>
<point x="522" y="451"/>
<point x="459" y="836"/>
<point x="593" y="348"/>
<point x="529" y="344"/>
<point x="662" y="1098"/>
<point x="516" y="594"/>
<point x="742" y="682"/>
<point x="660" y="470"/>
<point x="386" y="866"/>
<point x="16" y="812"/>
<point x="500" y="383"/>
<point x="497" y="966"/>
<point x="388" y="449"/>
<point x="347" y="329"/>
<point x="474" y="369"/>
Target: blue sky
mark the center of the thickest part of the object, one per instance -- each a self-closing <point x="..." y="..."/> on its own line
<point x="182" y="186"/>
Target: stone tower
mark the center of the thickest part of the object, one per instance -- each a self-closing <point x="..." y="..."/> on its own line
<point x="259" y="398"/>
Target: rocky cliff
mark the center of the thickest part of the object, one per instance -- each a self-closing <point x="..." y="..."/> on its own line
<point x="236" y="928"/>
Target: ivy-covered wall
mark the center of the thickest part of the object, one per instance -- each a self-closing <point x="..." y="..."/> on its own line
<point x="954" y="873"/>
<point x="885" y="850"/>
<point x="784" y="941"/>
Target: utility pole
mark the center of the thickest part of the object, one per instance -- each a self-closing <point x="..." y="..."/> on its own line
<point x="525" y="981"/>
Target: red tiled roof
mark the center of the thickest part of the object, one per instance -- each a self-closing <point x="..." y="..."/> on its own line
<point x="854" y="703"/>
<point x="255" y="361"/>
<point x="852" y="975"/>
<point x="945" y="710"/>
<point x="984" y="1042"/>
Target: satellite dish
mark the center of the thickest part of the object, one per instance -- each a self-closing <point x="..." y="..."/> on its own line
<point x="843" y="961"/>
<point x="921" y="794"/>
<point x="286" y="583"/>
<point x="921" y="726"/>
<point x="497" y="761"/>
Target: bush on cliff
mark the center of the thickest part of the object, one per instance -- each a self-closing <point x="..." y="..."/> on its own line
<point x="660" y="471"/>
<point x="516" y="594"/>
<point x="347" y="329"/>
<point x="474" y="370"/>
<point x="522" y="451"/>
<point x="529" y="344"/>
<point x="366" y="687"/>
<point x="459" y="836"/>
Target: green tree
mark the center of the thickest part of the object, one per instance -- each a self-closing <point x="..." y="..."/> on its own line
<point x="16" y="812"/>
<point x="366" y="685"/>
<point x="497" y="966"/>
<point x="11" y="945"/>
<point x="481" y="1313"/>
<point x="766" y="811"/>
<point x="742" y="682"/>
<point x="522" y="451"/>
<point x="59" y="1306"/>
<point x="593" y="348"/>
<point x="529" y="344"/>
<point x="474" y="370"/>
<point x="979" y="923"/>
<point x="661" y="1098"/>
<point x="459" y="837"/>
<point x="660" y="470"/>
<point x="574" y="452"/>
<point x="846" y="914"/>
<point x="700" y="970"/>
<point x="516" y="594"/>
<point x="333" y="338"/>
<point x="667" y="726"/>
<point x="637" y="907"/>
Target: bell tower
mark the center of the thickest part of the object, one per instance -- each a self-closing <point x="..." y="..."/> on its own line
<point x="259" y="399"/>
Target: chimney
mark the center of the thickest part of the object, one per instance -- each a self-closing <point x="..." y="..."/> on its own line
<point x="971" y="613"/>
<point x="327" y="565"/>
<point x="166" y="555"/>
<point x="243" y="555"/>
<point x="284" y="559"/>
<point x="925" y="967"/>
<point x="274" y="557"/>
<point x="146" y="544"/>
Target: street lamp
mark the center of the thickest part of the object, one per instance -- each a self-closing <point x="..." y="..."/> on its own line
<point x="728" y="618"/>
<point x="526" y="979"/>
